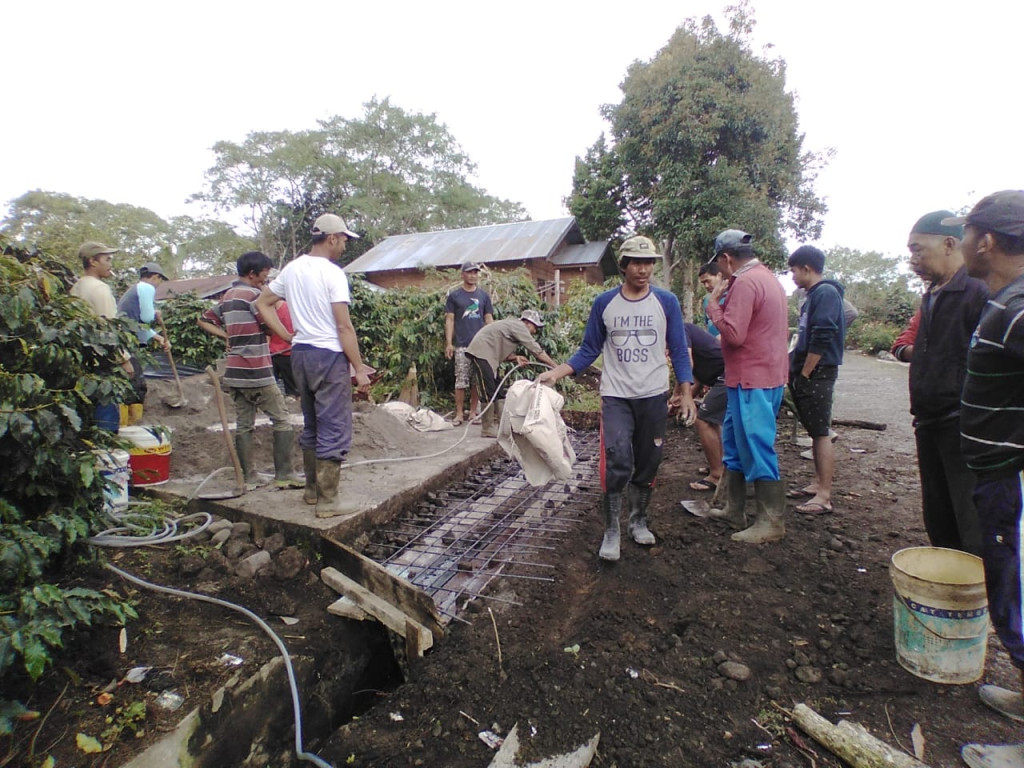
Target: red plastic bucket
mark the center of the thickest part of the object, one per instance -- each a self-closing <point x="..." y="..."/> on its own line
<point x="149" y="454"/>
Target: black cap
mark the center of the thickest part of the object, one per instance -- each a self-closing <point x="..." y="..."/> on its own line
<point x="1001" y="212"/>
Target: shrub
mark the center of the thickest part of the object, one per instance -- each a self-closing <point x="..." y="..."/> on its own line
<point x="190" y="344"/>
<point x="872" y="336"/>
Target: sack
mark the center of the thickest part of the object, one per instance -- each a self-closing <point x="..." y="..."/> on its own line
<point x="532" y="432"/>
<point x="850" y="312"/>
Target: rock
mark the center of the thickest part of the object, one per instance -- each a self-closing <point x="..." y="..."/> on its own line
<point x="719" y="657"/>
<point x="220" y="537"/>
<point x="801" y="659"/>
<point x="274" y="543"/>
<point x="279" y="604"/>
<point x="240" y="530"/>
<point x="808" y="675"/>
<point x="836" y="544"/>
<point x="253" y="564"/>
<point x="288" y="563"/>
<point x="190" y="565"/>
<point x="218" y="525"/>
<point x="235" y="549"/>
<point x="837" y="677"/>
<point x="733" y="670"/>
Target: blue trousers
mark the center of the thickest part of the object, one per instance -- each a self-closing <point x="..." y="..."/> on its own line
<point x="999" y="503"/>
<point x="748" y="433"/>
<point x="325" y="391"/>
<point x="632" y="436"/>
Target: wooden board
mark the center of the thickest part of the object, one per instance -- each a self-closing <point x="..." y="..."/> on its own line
<point x="347" y="609"/>
<point x="402" y="594"/>
<point x="417" y="637"/>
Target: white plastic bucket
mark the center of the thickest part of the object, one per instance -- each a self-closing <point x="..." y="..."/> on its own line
<point x="940" y="614"/>
<point x="114" y="467"/>
<point x="150" y="454"/>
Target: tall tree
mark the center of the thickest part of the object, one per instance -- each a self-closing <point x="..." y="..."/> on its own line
<point x="388" y="172"/>
<point x="705" y="138"/>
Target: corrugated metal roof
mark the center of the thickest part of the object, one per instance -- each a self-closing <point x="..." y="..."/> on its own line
<point x="583" y="255"/>
<point x="204" y="287"/>
<point x="489" y="245"/>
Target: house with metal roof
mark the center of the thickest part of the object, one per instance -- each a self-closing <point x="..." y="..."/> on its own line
<point x="203" y="287"/>
<point x="552" y="251"/>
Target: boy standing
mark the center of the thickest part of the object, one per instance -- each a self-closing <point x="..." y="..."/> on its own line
<point x="250" y="373"/>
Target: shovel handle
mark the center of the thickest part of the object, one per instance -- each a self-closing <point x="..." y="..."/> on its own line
<point x="170" y="359"/>
<point x="219" y="397"/>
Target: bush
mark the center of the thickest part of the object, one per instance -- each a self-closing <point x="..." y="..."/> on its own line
<point x="872" y="336"/>
<point x="56" y="360"/>
<point x="190" y="344"/>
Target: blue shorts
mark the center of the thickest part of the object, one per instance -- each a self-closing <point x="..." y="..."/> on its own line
<point x="999" y="503"/>
<point x="748" y="433"/>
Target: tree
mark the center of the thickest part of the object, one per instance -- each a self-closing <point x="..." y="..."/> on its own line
<point x="57" y="224"/>
<point x="875" y="283"/>
<point x="388" y="172"/>
<point x="705" y="138"/>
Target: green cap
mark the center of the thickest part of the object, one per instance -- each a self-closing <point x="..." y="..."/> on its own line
<point x="931" y="224"/>
<point x="92" y="249"/>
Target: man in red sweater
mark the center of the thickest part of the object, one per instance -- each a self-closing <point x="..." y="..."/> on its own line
<point x="754" y="326"/>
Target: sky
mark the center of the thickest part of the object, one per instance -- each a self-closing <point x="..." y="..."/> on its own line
<point x="122" y="101"/>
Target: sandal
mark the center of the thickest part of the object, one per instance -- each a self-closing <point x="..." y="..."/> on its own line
<point x="798" y="493"/>
<point x="812" y="508"/>
<point x="703" y="485"/>
<point x="457" y="421"/>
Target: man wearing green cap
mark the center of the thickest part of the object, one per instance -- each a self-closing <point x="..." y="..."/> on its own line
<point x="633" y="326"/>
<point x="937" y="354"/>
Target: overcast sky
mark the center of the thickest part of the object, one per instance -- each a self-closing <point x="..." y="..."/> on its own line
<point x="122" y="101"/>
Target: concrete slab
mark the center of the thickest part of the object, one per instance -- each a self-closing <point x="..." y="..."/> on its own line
<point x="382" y="485"/>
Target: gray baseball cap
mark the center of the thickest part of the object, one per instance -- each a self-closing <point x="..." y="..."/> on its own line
<point x="731" y="240"/>
<point x="152" y="268"/>
<point x="532" y="316"/>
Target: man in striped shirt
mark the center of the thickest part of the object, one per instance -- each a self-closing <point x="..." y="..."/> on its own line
<point x="250" y="371"/>
<point x="992" y="435"/>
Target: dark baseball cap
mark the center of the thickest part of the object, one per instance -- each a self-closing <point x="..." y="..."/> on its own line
<point x="934" y="224"/>
<point x="470" y="266"/>
<point x="1001" y="212"/>
<point x="152" y="268"/>
<point x="731" y="240"/>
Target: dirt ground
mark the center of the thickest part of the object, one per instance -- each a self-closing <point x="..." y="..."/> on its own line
<point x="632" y="650"/>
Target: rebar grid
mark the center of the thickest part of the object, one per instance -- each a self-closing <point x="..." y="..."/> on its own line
<point x="492" y="525"/>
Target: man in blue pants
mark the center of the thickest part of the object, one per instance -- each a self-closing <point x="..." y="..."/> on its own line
<point x="632" y="326"/>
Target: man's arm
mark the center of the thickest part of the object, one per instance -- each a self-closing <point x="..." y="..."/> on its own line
<point x="212" y="329"/>
<point x="350" y="343"/>
<point x="903" y="347"/>
<point x="266" y="307"/>
<point x="449" y="334"/>
<point x="733" y="321"/>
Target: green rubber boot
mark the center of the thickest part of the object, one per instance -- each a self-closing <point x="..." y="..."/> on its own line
<point x="735" y="500"/>
<point x="284" y="477"/>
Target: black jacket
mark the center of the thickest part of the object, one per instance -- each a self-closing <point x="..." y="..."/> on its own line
<point x="939" y="364"/>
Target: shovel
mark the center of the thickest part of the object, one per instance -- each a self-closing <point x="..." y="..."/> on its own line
<point x="180" y="401"/>
<point x="239" y="477"/>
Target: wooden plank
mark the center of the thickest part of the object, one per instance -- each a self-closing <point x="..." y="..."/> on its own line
<point x="402" y="594"/>
<point x="387" y="614"/>
<point x="345" y="608"/>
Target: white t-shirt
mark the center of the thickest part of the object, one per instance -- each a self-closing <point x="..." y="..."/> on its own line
<point x="310" y="284"/>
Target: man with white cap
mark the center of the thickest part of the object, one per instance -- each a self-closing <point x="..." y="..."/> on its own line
<point x="753" y="323"/>
<point x="992" y="437"/>
<point x="633" y="326"/>
<point x="324" y="345"/>
<point x="494" y="344"/>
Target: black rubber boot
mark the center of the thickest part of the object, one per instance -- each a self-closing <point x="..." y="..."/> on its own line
<point x="639" y="498"/>
<point x="770" y="496"/>
<point x="612" y="503"/>
<point x="309" y="495"/>
<point x="284" y="477"/>
<point x="243" y="446"/>
<point x="735" y="500"/>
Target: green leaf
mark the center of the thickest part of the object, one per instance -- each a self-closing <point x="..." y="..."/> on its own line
<point x="88" y="744"/>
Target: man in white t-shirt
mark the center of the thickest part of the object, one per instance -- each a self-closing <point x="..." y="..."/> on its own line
<point x="323" y="346"/>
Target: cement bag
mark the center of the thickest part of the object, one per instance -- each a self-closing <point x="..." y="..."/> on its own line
<point x="420" y="419"/>
<point x="532" y="432"/>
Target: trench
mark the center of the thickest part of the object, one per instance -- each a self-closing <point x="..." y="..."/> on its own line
<point x="462" y="543"/>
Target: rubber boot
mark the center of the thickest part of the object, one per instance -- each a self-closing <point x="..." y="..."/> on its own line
<point x="283" y="475"/>
<point x="489" y="421"/>
<point x="639" y="498"/>
<point x="993" y="755"/>
<point x="309" y="495"/>
<point x="331" y="503"/>
<point x="770" y="497"/>
<point x="243" y="447"/>
<point x="735" y="500"/>
<point x="499" y="412"/>
<point x="612" y="504"/>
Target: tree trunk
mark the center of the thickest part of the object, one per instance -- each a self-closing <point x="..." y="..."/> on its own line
<point x="852" y="742"/>
<point x="687" y="299"/>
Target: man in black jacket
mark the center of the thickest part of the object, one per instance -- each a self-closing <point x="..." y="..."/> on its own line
<point x="937" y="354"/>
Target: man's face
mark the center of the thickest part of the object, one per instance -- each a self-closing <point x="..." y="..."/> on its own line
<point x="801" y="276"/>
<point x="975" y="258"/>
<point x="103" y="265"/>
<point x="638" y="273"/>
<point x="471" y="277"/>
<point x="709" y="281"/>
<point x="259" y="279"/>
<point x="725" y="266"/>
<point x="930" y="255"/>
<point x="339" y="243"/>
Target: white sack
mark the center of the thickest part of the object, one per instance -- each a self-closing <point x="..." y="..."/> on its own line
<point x="532" y="432"/>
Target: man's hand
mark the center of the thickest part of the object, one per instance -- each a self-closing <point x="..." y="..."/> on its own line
<point x="449" y="350"/>
<point x="520" y="360"/>
<point x="362" y="383"/>
<point x="719" y="289"/>
<point x="681" y="404"/>
<point x="163" y="341"/>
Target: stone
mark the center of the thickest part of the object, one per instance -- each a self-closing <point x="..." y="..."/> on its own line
<point x="220" y="537"/>
<point x="218" y="525"/>
<point x="239" y="530"/>
<point x="808" y="675"/>
<point x="274" y="543"/>
<point x="288" y="563"/>
<point x="253" y="564"/>
<point x="733" y="670"/>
